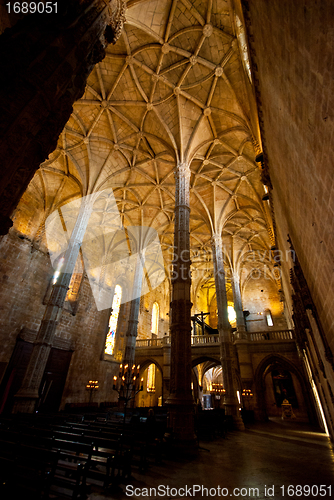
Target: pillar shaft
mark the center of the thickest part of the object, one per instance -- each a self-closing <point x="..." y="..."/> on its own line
<point x="46" y="60"/>
<point x="28" y="394"/>
<point x="240" y="319"/>
<point x="180" y="400"/>
<point x="224" y="330"/>
<point x="132" y="329"/>
<point x="127" y="392"/>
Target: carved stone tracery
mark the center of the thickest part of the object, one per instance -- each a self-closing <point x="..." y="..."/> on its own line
<point x="46" y="60"/>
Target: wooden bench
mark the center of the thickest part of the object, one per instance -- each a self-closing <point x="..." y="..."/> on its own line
<point x="72" y="467"/>
<point x="26" y="471"/>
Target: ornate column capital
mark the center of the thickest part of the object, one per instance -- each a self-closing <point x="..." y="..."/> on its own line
<point x="216" y="239"/>
<point x="183" y="169"/>
<point x="67" y="45"/>
<point x="235" y="277"/>
<point x="117" y="10"/>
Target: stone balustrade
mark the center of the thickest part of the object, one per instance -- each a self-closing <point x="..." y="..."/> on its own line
<point x="282" y="335"/>
<point x="264" y="336"/>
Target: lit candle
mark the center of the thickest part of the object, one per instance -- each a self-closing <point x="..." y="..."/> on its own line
<point x="120" y="369"/>
<point x="142" y="386"/>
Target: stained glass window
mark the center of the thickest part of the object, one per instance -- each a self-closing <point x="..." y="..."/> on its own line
<point x="112" y="327"/>
<point x="155" y="319"/>
<point x="151" y="378"/>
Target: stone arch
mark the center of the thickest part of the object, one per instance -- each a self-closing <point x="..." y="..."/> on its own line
<point x="146" y="363"/>
<point x="259" y="385"/>
<point x="210" y="362"/>
<point x="203" y="359"/>
<point x="141" y="400"/>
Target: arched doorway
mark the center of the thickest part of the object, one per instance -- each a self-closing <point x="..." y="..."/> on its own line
<point x="208" y="389"/>
<point x="151" y="395"/>
<point x="279" y="382"/>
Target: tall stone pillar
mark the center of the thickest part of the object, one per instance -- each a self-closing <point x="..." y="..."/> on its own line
<point x="127" y="390"/>
<point x="132" y="329"/>
<point x="166" y="349"/>
<point x="180" y="401"/>
<point x="45" y="62"/>
<point x="240" y="319"/>
<point x="242" y="344"/>
<point x="28" y="394"/>
<point x="224" y="330"/>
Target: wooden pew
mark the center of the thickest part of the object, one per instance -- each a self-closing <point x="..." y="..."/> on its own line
<point x="26" y="471"/>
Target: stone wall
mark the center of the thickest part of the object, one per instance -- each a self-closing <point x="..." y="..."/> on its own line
<point x="26" y="274"/>
<point x="260" y="295"/>
<point x="161" y="295"/>
<point x="294" y="46"/>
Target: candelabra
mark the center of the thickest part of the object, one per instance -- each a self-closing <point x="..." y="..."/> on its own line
<point x="92" y="386"/>
<point x="247" y="393"/>
<point x="247" y="399"/>
<point x="127" y="384"/>
<point x="218" y="389"/>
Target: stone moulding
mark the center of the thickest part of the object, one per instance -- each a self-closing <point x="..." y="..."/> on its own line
<point x="117" y="10"/>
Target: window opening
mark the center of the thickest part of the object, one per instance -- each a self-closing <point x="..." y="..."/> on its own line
<point x="57" y="271"/>
<point x="232" y="317"/>
<point x="113" y="320"/>
<point x="269" y="318"/>
<point x="151" y="378"/>
<point x="155" y="319"/>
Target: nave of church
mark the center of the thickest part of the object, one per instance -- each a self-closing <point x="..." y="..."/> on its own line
<point x="166" y="214"/>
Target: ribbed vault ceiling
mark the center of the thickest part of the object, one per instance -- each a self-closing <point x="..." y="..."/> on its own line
<point x="173" y="89"/>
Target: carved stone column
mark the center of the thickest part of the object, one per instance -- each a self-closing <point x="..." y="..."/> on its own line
<point x="166" y="349"/>
<point x="180" y="401"/>
<point x="132" y="329"/>
<point x="240" y="319"/>
<point x="45" y="63"/>
<point x="28" y="394"/>
<point x="224" y="330"/>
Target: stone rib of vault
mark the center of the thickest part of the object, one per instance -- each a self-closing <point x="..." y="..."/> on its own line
<point x="107" y="247"/>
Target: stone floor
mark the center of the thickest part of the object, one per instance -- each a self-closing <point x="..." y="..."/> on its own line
<point x="261" y="462"/>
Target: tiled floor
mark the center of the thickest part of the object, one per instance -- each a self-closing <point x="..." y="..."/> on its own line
<point x="261" y="462"/>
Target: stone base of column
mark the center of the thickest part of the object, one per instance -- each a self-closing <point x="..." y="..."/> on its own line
<point x="241" y="334"/>
<point x="25" y="402"/>
<point x="233" y="411"/>
<point x="180" y="420"/>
